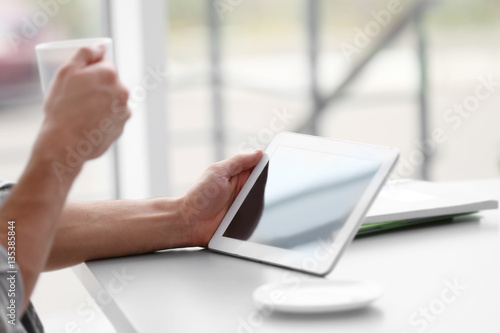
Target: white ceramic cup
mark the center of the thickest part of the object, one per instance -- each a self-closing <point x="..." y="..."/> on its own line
<point x="51" y="56"/>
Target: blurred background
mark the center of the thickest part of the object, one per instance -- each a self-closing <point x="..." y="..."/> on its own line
<point x="393" y="73"/>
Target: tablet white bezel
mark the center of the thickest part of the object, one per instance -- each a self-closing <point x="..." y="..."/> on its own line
<point x="323" y="260"/>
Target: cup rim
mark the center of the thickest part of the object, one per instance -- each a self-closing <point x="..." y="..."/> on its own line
<point x="73" y="43"/>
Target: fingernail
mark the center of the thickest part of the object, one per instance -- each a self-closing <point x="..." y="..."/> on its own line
<point x="100" y="47"/>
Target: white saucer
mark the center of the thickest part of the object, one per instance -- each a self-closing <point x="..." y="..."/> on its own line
<point x="317" y="296"/>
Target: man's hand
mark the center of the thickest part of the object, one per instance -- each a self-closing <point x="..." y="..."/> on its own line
<point x="85" y="109"/>
<point x="81" y="121"/>
<point x="204" y="205"/>
<point x="121" y="227"/>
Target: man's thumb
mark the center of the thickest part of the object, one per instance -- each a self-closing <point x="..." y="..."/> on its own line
<point x="88" y="55"/>
<point x="242" y="162"/>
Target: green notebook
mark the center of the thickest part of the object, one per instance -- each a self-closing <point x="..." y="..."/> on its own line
<point x="380" y="227"/>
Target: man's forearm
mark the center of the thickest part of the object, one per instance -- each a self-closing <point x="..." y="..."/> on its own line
<point x="94" y="230"/>
<point x="35" y="204"/>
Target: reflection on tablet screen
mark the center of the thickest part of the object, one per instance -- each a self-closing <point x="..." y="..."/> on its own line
<point x="301" y="197"/>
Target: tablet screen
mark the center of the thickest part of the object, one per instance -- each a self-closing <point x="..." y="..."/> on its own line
<point x="300" y="197"/>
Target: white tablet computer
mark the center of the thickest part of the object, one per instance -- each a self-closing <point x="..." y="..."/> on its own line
<point x="304" y="202"/>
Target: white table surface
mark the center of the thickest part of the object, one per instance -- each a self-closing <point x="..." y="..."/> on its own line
<point x="200" y="291"/>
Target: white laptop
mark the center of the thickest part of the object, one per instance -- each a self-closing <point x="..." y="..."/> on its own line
<point x="407" y="202"/>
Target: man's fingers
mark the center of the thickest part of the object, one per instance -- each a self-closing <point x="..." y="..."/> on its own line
<point x="89" y="55"/>
<point x="83" y="58"/>
<point x="241" y="162"/>
<point x="104" y="72"/>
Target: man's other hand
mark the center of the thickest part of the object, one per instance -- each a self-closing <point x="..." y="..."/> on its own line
<point x="85" y="110"/>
